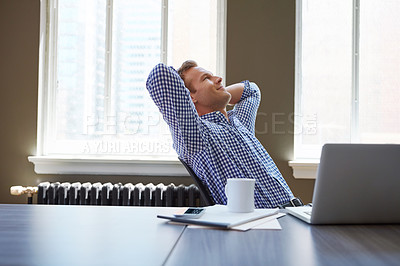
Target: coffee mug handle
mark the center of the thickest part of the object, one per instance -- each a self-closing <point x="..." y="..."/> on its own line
<point x="226" y="188"/>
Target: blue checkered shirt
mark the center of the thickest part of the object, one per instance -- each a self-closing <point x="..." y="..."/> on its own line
<point x="215" y="148"/>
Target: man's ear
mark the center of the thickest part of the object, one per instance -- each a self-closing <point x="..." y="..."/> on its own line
<point x="194" y="100"/>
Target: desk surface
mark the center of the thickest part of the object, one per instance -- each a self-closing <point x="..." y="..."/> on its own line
<point x="296" y="244"/>
<point x="86" y="235"/>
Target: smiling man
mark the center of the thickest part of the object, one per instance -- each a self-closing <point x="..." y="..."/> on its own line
<point x="217" y="144"/>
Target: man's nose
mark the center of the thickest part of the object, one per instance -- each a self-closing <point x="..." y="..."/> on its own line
<point x="218" y="79"/>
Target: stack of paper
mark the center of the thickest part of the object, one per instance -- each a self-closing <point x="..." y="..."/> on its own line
<point x="219" y="216"/>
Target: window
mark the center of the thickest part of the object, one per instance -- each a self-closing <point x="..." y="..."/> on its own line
<point x="347" y="67"/>
<point x="347" y="76"/>
<point x="94" y="61"/>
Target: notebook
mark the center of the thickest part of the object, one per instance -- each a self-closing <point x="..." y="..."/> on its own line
<point x="219" y="216"/>
<point x="355" y="184"/>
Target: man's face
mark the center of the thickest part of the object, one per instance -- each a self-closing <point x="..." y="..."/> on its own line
<point x="206" y="89"/>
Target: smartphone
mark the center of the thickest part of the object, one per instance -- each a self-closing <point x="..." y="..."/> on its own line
<point x="191" y="213"/>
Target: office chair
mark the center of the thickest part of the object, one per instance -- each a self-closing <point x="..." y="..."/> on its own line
<point x="204" y="191"/>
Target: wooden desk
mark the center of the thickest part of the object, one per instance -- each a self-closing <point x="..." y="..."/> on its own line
<point x="296" y="244"/>
<point x="98" y="235"/>
<point x="84" y="235"/>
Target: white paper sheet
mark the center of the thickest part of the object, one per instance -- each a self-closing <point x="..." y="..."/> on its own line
<point x="219" y="216"/>
<point x="270" y="223"/>
<point x="267" y="223"/>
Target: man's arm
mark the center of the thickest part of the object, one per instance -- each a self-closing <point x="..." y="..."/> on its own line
<point x="236" y="90"/>
<point x="247" y="105"/>
<point x="168" y="92"/>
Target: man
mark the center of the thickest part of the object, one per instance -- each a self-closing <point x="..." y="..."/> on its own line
<point x="217" y="144"/>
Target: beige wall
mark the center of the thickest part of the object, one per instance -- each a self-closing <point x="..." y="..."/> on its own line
<point x="260" y="47"/>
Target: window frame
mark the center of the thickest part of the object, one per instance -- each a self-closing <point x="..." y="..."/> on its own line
<point x="304" y="168"/>
<point x="84" y="164"/>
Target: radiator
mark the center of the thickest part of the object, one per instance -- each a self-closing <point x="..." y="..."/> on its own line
<point x="118" y="195"/>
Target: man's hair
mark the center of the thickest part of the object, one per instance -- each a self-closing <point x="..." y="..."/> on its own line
<point x="185" y="67"/>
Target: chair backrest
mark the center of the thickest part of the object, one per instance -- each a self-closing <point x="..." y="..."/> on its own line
<point x="204" y="191"/>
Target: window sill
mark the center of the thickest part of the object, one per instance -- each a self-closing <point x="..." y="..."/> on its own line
<point x="107" y="166"/>
<point x="304" y="169"/>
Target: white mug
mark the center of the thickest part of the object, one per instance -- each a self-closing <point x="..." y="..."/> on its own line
<point x="240" y="194"/>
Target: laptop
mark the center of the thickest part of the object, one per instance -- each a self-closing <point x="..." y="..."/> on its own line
<point x="355" y="184"/>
